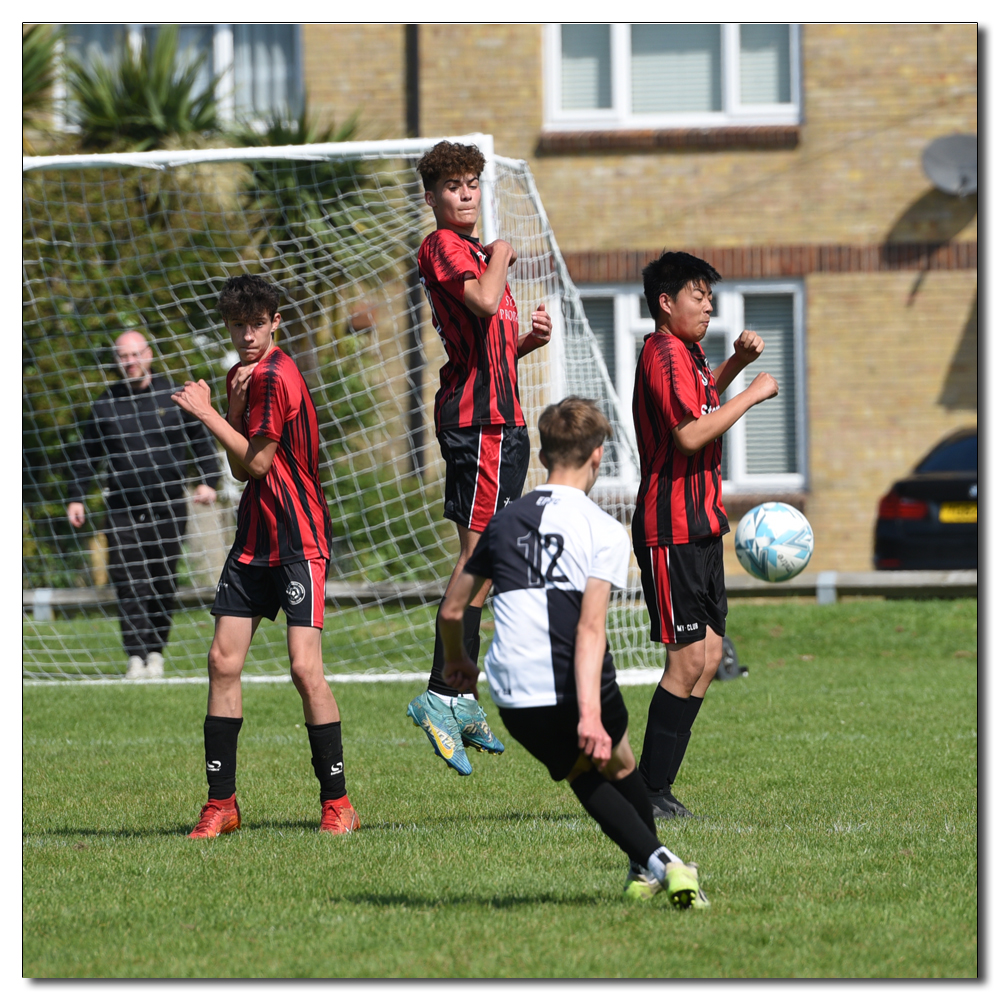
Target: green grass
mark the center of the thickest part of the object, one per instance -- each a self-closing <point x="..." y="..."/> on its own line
<point x="836" y="786"/>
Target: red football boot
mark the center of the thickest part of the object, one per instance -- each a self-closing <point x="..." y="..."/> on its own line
<point x="218" y="816"/>
<point x="339" y="816"/>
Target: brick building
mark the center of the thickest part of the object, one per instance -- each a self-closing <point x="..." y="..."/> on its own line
<point x="799" y="178"/>
<point x="788" y="156"/>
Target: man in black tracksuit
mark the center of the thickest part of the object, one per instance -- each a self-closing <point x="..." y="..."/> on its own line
<point x="146" y="441"/>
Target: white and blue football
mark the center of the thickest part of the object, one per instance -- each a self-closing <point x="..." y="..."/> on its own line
<point x="774" y="542"/>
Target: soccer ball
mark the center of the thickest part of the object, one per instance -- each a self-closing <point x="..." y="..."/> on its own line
<point x="774" y="542"/>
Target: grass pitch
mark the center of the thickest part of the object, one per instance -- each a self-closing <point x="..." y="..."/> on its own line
<point x="835" y="785"/>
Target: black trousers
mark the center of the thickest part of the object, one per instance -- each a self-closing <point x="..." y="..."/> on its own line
<point x="144" y="547"/>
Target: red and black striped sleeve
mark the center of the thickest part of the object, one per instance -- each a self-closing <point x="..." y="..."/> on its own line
<point x="267" y="401"/>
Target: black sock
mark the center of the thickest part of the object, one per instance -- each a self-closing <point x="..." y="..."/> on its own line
<point x="470" y="639"/>
<point x="615" y="815"/>
<point x="221" y="735"/>
<point x="683" y="738"/>
<point x="665" y="720"/>
<point x="632" y="788"/>
<point x="328" y="759"/>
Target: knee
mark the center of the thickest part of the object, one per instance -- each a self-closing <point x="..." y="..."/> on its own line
<point x="687" y="671"/>
<point x="222" y="665"/>
<point x="307" y="676"/>
<point x="713" y="656"/>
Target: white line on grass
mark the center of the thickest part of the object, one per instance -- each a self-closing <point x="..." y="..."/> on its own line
<point x="626" y="678"/>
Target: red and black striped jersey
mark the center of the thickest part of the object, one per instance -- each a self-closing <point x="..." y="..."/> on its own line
<point x="282" y="518"/>
<point x="680" y="496"/>
<point x="479" y="381"/>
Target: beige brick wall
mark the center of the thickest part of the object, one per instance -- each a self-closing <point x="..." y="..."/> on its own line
<point x="874" y="96"/>
<point x="483" y="78"/>
<point x="357" y="67"/>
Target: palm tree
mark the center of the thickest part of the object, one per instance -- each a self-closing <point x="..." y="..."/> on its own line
<point x="142" y="99"/>
<point x="38" y="74"/>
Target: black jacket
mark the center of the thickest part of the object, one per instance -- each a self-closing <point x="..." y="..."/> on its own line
<point x="148" y="441"/>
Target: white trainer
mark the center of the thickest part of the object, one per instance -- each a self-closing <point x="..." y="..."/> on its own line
<point x="136" y="669"/>
<point x="154" y="665"/>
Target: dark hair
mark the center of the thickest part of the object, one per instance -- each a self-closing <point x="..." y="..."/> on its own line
<point x="449" y="159"/>
<point x="570" y="430"/>
<point x="247" y="297"/>
<point x="670" y="273"/>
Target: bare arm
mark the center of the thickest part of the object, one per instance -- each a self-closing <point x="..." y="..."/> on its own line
<point x="747" y="348"/>
<point x="253" y="457"/>
<point x="483" y="294"/>
<point x="459" y="671"/>
<point x="691" y="434"/>
<point x="591" y="643"/>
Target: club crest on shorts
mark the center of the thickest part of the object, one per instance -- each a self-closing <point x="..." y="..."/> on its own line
<point x="295" y="592"/>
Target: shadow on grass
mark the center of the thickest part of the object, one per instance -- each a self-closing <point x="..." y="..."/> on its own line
<point x="311" y="824"/>
<point x="439" y="902"/>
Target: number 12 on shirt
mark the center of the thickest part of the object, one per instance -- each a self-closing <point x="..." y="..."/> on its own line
<point x="534" y="545"/>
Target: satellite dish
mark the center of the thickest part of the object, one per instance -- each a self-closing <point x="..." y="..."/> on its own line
<point x="952" y="164"/>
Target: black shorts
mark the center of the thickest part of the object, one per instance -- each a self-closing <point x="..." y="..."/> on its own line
<point x="485" y="469"/>
<point x="298" y="588"/>
<point x="548" y="732"/>
<point x="685" y="590"/>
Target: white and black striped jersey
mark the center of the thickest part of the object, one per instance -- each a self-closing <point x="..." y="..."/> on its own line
<point x="539" y="552"/>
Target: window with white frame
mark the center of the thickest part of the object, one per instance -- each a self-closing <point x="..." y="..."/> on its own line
<point x="622" y="76"/>
<point x="259" y="65"/>
<point x="766" y="449"/>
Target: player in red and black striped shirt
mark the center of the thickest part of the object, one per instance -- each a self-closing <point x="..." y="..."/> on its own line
<point x="283" y="517"/>
<point x="679" y="518"/>
<point x="477" y="412"/>
<point x="280" y="556"/>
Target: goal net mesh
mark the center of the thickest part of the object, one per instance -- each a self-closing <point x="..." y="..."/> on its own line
<point x="145" y="242"/>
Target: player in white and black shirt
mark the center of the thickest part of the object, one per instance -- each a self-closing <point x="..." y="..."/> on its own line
<point x="553" y="557"/>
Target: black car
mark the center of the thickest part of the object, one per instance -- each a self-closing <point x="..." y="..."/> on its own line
<point x="930" y="519"/>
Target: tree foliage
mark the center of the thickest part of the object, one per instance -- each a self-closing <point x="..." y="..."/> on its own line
<point x="105" y="250"/>
<point x="143" y="99"/>
<point x="108" y="249"/>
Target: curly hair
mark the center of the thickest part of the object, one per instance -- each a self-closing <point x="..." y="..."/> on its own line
<point x="669" y="273"/>
<point x="449" y="159"/>
<point x="570" y="430"/>
<point x="247" y="297"/>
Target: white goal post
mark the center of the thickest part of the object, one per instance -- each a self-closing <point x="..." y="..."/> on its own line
<point x="145" y="240"/>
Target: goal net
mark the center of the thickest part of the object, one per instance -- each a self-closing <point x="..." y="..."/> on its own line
<point x="145" y="241"/>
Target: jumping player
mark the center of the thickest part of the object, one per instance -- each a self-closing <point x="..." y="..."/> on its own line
<point x="679" y="519"/>
<point x="477" y="410"/>
<point x="280" y="556"/>
<point x="553" y="557"/>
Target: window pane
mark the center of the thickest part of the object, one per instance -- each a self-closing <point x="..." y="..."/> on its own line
<point x="193" y="40"/>
<point x="90" y="43"/>
<point x="265" y="73"/>
<point x="586" y="66"/>
<point x="771" y="432"/>
<point x="765" y="64"/>
<point x="601" y="317"/>
<point x="676" y="67"/>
